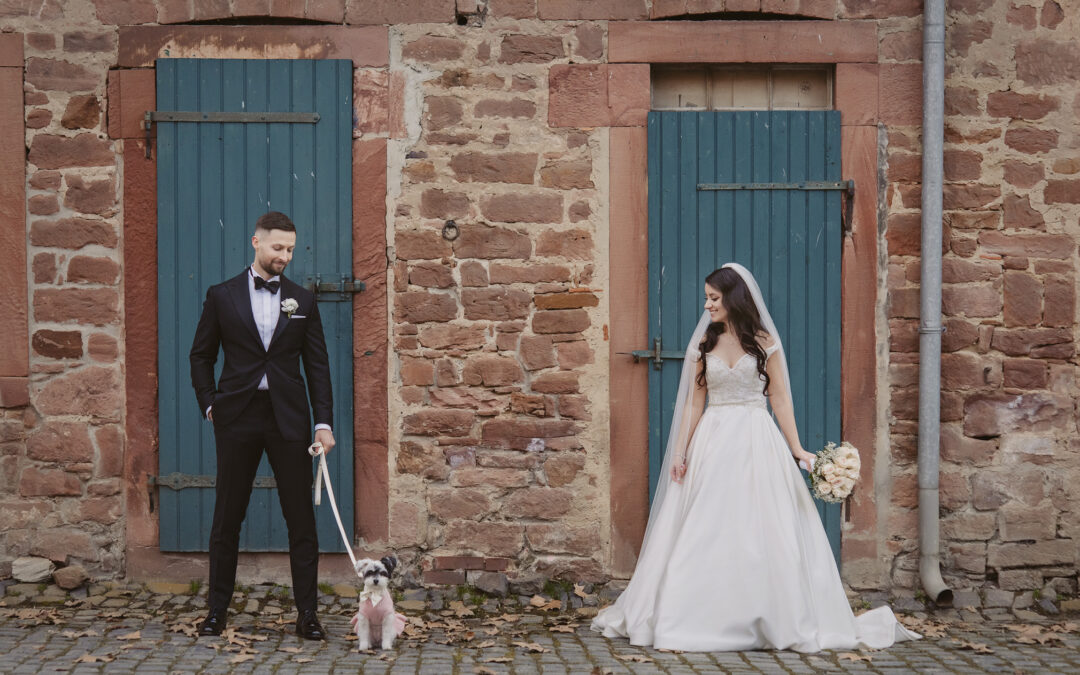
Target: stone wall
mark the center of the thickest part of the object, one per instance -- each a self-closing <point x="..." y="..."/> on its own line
<point x="1010" y="458"/>
<point x="499" y="433"/>
<point x="64" y="501"/>
<point x="498" y="379"/>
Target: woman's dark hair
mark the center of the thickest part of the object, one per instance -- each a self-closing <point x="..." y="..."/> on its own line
<point x="742" y="318"/>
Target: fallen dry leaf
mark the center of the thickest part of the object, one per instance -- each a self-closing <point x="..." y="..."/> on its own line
<point x="90" y="658"/>
<point x="241" y="658"/>
<point x="73" y="634"/>
<point x="579" y="591"/>
<point x="481" y="670"/>
<point x="303" y="659"/>
<point x="459" y="609"/>
<point x="634" y="658"/>
<point x="498" y="659"/>
<point x="852" y="656"/>
<point x="562" y="629"/>
<point x="977" y="647"/>
<point x="137" y="635"/>
<point x="485" y="644"/>
<point x="924" y="627"/>
<point x="531" y="647"/>
<point x="1030" y="634"/>
<point x="291" y="650"/>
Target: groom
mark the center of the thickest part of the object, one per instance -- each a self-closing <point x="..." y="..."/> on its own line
<point x="265" y="324"/>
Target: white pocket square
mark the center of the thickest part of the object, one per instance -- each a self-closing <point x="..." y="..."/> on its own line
<point x="298" y="316"/>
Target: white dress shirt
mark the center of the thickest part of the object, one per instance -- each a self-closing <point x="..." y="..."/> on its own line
<point x="266" y="308"/>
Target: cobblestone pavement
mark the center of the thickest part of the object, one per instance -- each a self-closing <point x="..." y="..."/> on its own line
<point x="116" y="628"/>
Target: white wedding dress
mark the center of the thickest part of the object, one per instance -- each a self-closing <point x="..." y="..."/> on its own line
<point x="736" y="557"/>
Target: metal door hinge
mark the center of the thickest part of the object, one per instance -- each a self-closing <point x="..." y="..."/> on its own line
<point x="152" y="116"/>
<point x="182" y="481"/>
<point x="846" y="188"/>
<point x="334" y="291"/>
<point x="656" y="354"/>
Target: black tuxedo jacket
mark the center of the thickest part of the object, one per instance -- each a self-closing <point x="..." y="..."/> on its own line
<point x="227" y="321"/>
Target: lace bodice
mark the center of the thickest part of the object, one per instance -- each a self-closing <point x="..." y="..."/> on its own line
<point x="738" y="385"/>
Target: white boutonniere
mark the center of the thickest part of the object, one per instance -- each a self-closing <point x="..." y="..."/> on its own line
<point x="289" y="306"/>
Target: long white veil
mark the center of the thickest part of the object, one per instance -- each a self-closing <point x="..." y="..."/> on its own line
<point x="680" y="434"/>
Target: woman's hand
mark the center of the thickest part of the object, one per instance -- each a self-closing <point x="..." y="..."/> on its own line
<point x="804" y="456"/>
<point x="678" y="470"/>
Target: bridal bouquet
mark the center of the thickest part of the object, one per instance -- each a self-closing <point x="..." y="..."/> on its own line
<point x="836" y="468"/>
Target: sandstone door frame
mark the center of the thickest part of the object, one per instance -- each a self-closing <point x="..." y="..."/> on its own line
<point x="131" y="92"/>
<point x="852" y="48"/>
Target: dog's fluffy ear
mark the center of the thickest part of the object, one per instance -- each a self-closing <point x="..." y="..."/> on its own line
<point x="389" y="562"/>
<point x="362" y="565"/>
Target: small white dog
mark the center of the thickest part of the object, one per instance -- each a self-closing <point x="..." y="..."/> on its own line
<point x="375" y="620"/>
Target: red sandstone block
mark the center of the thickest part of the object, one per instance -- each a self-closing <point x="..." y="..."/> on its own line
<point x="35" y="482"/>
<point x="97" y="306"/>
<point x="72" y="233"/>
<point x="515" y="9"/>
<point x="371" y="101"/>
<point x="125" y="12"/>
<point x="14" y="392"/>
<point x="331" y="11"/>
<point x="742" y="42"/>
<point x="11" y="50"/>
<point x="478" y="241"/>
<point x="395" y="12"/>
<point x="58" y="152"/>
<point x="598" y="95"/>
<point x="460" y="562"/>
<point x="575" y="10"/>
<point x="438" y="422"/>
<point x="57" y="75"/>
<point x="56" y="344"/>
<point x="495" y="539"/>
<point x="1055" y="246"/>
<point x="130" y="94"/>
<point x="1062" y="192"/>
<point x="1030" y="140"/>
<point x="433" y="48"/>
<point x="102" y="348"/>
<point x="90" y="196"/>
<point x="857" y="93"/>
<point x="878" y="9"/>
<point x="900" y="93"/>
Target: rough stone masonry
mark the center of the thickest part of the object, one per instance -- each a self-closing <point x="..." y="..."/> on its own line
<point x="497" y="381"/>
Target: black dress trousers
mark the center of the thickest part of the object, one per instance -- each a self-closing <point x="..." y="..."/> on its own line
<point x="240" y="446"/>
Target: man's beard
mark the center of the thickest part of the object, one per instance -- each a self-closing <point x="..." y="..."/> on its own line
<point x="273" y="266"/>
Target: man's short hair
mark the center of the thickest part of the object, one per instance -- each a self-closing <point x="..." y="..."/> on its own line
<point x="274" y="220"/>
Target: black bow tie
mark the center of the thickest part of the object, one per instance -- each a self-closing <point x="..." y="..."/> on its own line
<point x="271" y="286"/>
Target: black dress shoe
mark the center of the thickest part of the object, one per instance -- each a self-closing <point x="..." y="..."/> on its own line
<point x="308" y="626"/>
<point x="214" y="622"/>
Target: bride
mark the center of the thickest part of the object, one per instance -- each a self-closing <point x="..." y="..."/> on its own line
<point x="735" y="556"/>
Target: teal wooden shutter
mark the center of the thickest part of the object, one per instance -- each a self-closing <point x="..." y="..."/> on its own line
<point x="214" y="180"/>
<point x="791" y="239"/>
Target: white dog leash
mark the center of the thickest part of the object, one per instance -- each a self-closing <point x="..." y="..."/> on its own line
<point x="316" y="450"/>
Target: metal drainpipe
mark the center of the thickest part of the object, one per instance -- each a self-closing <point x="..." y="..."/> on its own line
<point x="930" y="327"/>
